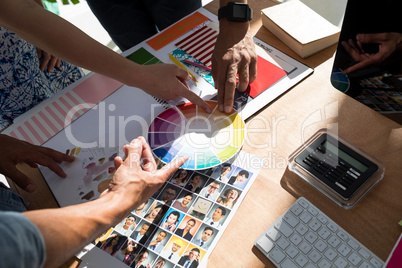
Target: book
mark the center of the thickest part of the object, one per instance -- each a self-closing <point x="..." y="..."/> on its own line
<point x="299" y="27"/>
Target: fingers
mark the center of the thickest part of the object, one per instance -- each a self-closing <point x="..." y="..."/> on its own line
<point x="351" y="50"/>
<point x="21" y="179"/>
<point x="134" y="153"/>
<point x="52" y="63"/>
<point x="218" y="84"/>
<point x="243" y="78"/>
<point x="371" y="38"/>
<point x="44" y="60"/>
<point x="173" y="166"/>
<point x="118" y="161"/>
<point x="58" y="63"/>
<point x="57" y="156"/>
<point x="229" y="88"/>
<point x="197" y="100"/>
<point x="359" y="66"/>
<point x="183" y="75"/>
<point x="226" y="82"/>
<point x="147" y="157"/>
<point x="46" y="161"/>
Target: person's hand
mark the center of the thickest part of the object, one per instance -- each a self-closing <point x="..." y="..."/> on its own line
<point x="389" y="43"/>
<point x="172" y="227"/>
<point x="48" y="60"/>
<point x="168" y="82"/>
<point x="14" y="151"/>
<point x="137" y="178"/>
<point x="234" y="54"/>
<point x="153" y="243"/>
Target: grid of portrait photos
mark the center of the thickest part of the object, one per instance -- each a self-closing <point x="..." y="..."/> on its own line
<point x="179" y="224"/>
<point x="382" y="94"/>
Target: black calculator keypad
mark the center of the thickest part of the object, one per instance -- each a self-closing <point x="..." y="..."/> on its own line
<point x="332" y="170"/>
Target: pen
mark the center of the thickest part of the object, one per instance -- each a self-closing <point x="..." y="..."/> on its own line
<point x="198" y="65"/>
<point x="178" y="63"/>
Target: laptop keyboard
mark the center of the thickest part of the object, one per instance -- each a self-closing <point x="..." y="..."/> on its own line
<point x="305" y="237"/>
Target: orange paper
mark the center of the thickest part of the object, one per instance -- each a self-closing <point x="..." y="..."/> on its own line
<point x="176" y="30"/>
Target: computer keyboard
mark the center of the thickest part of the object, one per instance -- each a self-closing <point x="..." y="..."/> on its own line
<point x="305" y="237"/>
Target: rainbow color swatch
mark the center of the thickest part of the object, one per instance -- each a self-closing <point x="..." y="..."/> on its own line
<point x="207" y="139"/>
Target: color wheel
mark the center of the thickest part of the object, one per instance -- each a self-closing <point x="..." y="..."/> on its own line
<point x="339" y="80"/>
<point x="207" y="139"/>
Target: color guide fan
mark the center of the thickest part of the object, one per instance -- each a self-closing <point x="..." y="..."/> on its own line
<point x="208" y="139"/>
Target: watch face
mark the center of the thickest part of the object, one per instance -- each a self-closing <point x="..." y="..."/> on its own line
<point x="239" y="12"/>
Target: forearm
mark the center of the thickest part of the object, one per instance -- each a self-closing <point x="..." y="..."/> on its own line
<point x="62" y="39"/>
<point x="67" y="230"/>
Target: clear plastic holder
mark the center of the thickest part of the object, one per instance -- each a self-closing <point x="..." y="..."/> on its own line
<point x="333" y="192"/>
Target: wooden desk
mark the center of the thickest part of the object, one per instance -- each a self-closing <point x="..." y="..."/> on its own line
<point x="274" y="133"/>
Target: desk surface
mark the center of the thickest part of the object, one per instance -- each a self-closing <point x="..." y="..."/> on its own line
<point x="274" y="133"/>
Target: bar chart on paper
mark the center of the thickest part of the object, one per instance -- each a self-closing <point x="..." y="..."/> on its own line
<point x="207" y="139"/>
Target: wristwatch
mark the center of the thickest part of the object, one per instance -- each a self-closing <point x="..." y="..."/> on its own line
<point x="236" y="12"/>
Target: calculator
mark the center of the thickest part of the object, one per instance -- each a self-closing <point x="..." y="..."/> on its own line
<point x="336" y="167"/>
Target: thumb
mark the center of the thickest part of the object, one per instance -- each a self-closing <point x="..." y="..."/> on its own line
<point x="370" y="38"/>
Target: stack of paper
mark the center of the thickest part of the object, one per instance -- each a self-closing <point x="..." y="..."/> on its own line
<point x="300" y="27"/>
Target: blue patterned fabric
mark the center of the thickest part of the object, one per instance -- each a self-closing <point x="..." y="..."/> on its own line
<point x="22" y="84"/>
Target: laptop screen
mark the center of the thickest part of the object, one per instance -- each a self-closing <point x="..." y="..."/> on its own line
<point x="368" y="65"/>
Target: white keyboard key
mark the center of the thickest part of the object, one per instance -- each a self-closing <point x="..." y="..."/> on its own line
<point x="292" y="251"/>
<point x="324" y="264"/>
<point x="332" y="226"/>
<point x="344" y="250"/>
<point x="340" y="262"/>
<point x="305" y="237"/>
<point x="285" y="229"/>
<point x="312" y="211"/>
<point x="354" y="259"/>
<point x="265" y="244"/>
<point x="303" y="203"/>
<point x="288" y="264"/>
<point x="320" y="245"/>
<point x="305" y="217"/>
<point x="283" y="243"/>
<point x="324" y="233"/>
<point x="311" y="237"/>
<point x="314" y="256"/>
<point x="296" y="239"/>
<point x="364" y="253"/>
<point x="301" y="260"/>
<point x="289" y="218"/>
<point x="296" y="210"/>
<point x="322" y="219"/>
<point x="365" y="265"/>
<point x="305" y="247"/>
<point x="277" y="255"/>
<point x="273" y="234"/>
<point x="376" y="262"/>
<point x="334" y="241"/>
<point x="353" y="244"/>
<point x="330" y="254"/>
<point x="314" y="225"/>
<point x="302" y="229"/>
<point x="342" y="235"/>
